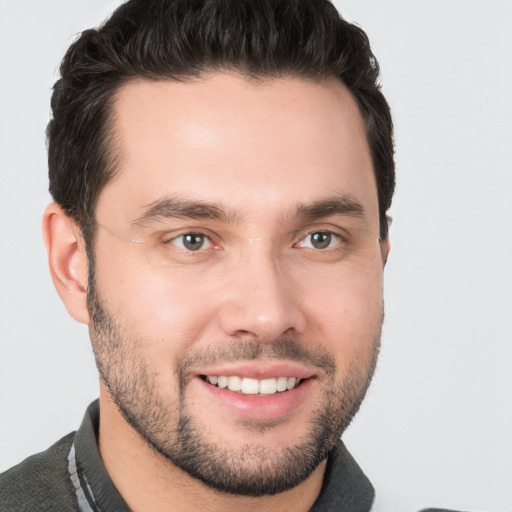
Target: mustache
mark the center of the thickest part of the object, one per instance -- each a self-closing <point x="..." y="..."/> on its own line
<point x="244" y="350"/>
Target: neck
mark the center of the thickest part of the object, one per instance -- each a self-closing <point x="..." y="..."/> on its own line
<point x="149" y="482"/>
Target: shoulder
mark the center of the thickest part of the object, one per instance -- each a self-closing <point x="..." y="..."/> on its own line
<point x="41" y="482"/>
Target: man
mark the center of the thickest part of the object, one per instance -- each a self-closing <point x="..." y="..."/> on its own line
<point x="221" y="174"/>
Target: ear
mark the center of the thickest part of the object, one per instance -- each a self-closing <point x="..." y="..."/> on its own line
<point x="385" y="247"/>
<point x="67" y="259"/>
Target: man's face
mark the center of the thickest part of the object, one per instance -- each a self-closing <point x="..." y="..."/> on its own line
<point x="238" y="246"/>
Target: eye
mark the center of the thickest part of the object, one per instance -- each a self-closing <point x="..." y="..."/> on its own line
<point x="192" y="241"/>
<point x="320" y="240"/>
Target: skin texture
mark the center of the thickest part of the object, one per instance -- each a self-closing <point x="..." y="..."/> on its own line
<point x="256" y="296"/>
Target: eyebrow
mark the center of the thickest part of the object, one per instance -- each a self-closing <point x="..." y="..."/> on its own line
<point x="180" y="208"/>
<point x="336" y="205"/>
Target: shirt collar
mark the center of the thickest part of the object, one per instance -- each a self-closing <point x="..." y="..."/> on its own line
<point x="345" y="488"/>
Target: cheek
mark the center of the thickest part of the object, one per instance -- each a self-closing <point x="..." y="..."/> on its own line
<point x="167" y="312"/>
<point x="347" y="317"/>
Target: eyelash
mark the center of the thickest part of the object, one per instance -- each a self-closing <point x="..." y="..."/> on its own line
<point x="206" y="238"/>
<point x="182" y="236"/>
<point x="331" y="235"/>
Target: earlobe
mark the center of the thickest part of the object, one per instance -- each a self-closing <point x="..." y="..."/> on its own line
<point x="67" y="259"/>
<point x="385" y="247"/>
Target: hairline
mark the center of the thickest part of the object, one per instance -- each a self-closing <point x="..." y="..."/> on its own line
<point x="111" y="141"/>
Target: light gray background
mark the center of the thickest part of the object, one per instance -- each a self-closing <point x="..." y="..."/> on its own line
<point x="436" y="428"/>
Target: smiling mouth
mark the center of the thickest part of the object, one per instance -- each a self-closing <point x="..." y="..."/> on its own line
<point x="247" y="386"/>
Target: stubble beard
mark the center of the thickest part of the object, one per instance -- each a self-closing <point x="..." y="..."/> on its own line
<point x="169" y="429"/>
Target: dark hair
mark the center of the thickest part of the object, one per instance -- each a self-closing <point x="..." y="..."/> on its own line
<point x="182" y="39"/>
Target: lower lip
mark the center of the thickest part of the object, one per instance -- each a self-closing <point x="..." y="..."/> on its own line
<point x="259" y="407"/>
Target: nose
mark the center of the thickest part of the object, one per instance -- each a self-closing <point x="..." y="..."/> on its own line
<point x="262" y="302"/>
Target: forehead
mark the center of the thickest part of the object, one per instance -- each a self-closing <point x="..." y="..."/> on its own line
<point x="246" y="144"/>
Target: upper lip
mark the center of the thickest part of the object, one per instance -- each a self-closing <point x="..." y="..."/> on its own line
<point x="258" y="370"/>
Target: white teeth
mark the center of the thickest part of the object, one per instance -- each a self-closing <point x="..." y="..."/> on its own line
<point x="234" y="383"/>
<point x="291" y="383"/>
<point x="250" y="386"/>
<point x="281" y="383"/>
<point x="253" y="386"/>
<point x="268" y="386"/>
